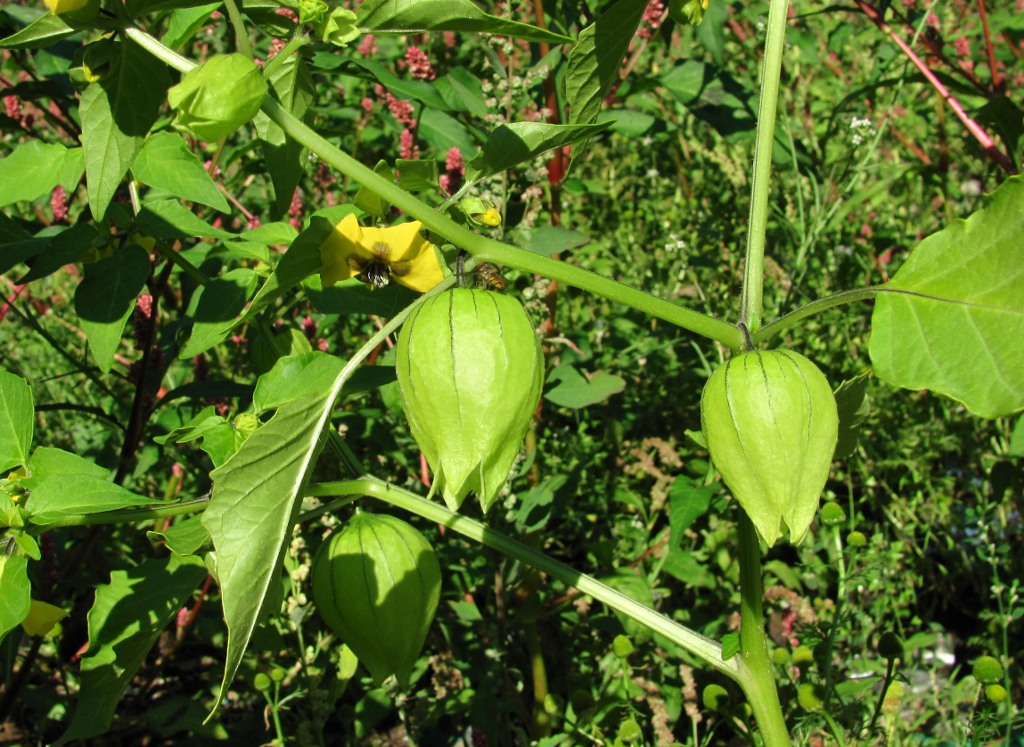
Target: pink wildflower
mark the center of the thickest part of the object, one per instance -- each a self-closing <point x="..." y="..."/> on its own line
<point x="254" y="222"/>
<point x="419" y="64"/>
<point x="368" y="46"/>
<point x="59" y="204"/>
<point x="13" y="106"/>
<point x="401" y="110"/>
<point x="409" y="149"/>
<point x="295" y="210"/>
<point x="367" y="104"/>
<point x="651" y="20"/>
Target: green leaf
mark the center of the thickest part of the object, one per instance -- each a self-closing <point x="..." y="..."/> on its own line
<point x="687" y="503"/>
<point x="294" y="377"/>
<point x="184" y="537"/>
<point x="852" y="403"/>
<point x="415" y="176"/>
<point x="125" y="621"/>
<point x="953" y="318"/>
<point x="1017" y="439"/>
<point x="15" y="592"/>
<point x="256" y="498"/>
<point x="711" y="33"/>
<point x="170" y="220"/>
<point x="33" y="169"/>
<point x="219" y="306"/>
<point x="65" y="247"/>
<point x="48" y="461"/>
<point x="290" y="83"/>
<point x="402" y="88"/>
<point x="166" y="162"/>
<point x="46" y="30"/>
<point x="443" y="132"/>
<point x="117" y="113"/>
<point x="412" y="16"/>
<point x="463" y="92"/>
<point x="548" y="240"/>
<point x="369" y="201"/>
<point x="59" y="496"/>
<point x="17" y="417"/>
<point x="596" y="59"/>
<point x="519" y="142"/>
<point x="185" y="22"/>
<point x="730" y="645"/>
<point x="576" y="392"/>
<point x="105" y="298"/>
<point x="300" y="261"/>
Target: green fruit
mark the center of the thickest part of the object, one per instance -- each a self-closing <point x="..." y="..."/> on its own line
<point x="715" y="698"/>
<point x="856" y="539"/>
<point x="470" y="370"/>
<point x="376" y="584"/>
<point x="890" y="646"/>
<point x="995" y="693"/>
<point x="217" y="97"/>
<point x="832" y="514"/>
<point x="987" y="670"/>
<point x="771" y="425"/>
<point x="811" y="697"/>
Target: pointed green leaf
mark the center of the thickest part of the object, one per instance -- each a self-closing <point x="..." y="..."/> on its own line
<point x="596" y="59"/>
<point x="15" y="592"/>
<point x="853" y="407"/>
<point x="300" y="261"/>
<point x="955" y="317"/>
<point x="117" y="113"/>
<point x="410" y="16"/>
<point x="294" y="377"/>
<point x="256" y="497"/>
<point x="17" y="416"/>
<point x="46" y="30"/>
<point x="125" y="621"/>
<point x="48" y="461"/>
<point x="220" y="304"/>
<point x="105" y="298"/>
<point x="170" y="220"/>
<point x="687" y="502"/>
<point x="33" y="169"/>
<point x="59" y="496"/>
<point x="65" y="247"/>
<point x="165" y="161"/>
<point x="185" y="537"/>
<point x="519" y="142"/>
<point x="577" y="392"/>
<point x="291" y="84"/>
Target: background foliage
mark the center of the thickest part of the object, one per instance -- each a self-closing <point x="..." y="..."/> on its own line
<point x="137" y="367"/>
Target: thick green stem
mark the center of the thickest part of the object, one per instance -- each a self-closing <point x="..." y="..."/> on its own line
<point x="758" y="682"/>
<point x="481" y="247"/>
<point x="709" y="651"/>
<point x="753" y="273"/>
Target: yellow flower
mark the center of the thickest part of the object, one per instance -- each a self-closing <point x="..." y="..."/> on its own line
<point x="379" y="255"/>
<point x="89" y="8"/>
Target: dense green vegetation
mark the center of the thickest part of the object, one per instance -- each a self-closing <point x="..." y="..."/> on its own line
<point x="176" y="450"/>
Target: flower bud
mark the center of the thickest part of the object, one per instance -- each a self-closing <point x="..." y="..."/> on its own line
<point x="217" y="97"/>
<point x="771" y="425"/>
<point x="376" y="584"/>
<point x="470" y="370"/>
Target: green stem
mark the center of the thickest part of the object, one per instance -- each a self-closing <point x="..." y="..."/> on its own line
<point x="238" y="26"/>
<point x="753" y="274"/>
<point x="759" y="682"/>
<point x="483" y="248"/>
<point x="707" y="650"/>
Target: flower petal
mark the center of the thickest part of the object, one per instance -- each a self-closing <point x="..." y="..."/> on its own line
<point x="344" y="244"/>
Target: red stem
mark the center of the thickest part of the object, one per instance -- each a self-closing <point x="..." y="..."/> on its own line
<point x="987" y="144"/>
<point x="998" y="80"/>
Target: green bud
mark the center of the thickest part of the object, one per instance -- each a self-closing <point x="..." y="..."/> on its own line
<point x="856" y="539"/>
<point x="470" y="371"/>
<point x="771" y="425"/>
<point x="376" y="584"/>
<point x="811" y="697"/>
<point x="630" y="732"/>
<point x="803" y="656"/>
<point x="217" y="97"/>
<point x="339" y="28"/>
<point x="987" y="670"/>
<point x="995" y="693"/>
<point x="890" y="646"/>
<point x="622" y="647"/>
<point x="261" y="682"/>
<point x="832" y="514"/>
<point x="715" y="698"/>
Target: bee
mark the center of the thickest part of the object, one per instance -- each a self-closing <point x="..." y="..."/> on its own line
<point x="378" y="271"/>
<point x="490" y="276"/>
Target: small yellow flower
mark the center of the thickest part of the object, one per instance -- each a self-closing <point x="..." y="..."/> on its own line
<point x="60" y="7"/>
<point x="379" y="255"/>
<point x="490" y="218"/>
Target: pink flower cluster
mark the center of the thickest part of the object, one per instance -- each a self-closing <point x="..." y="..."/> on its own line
<point x="419" y="64"/>
<point x="454" y="170"/>
<point x="651" y="19"/>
